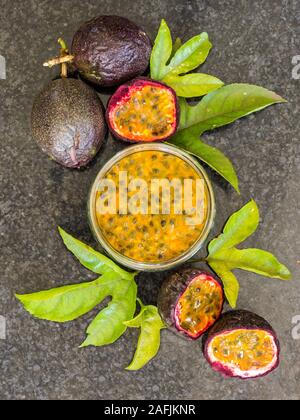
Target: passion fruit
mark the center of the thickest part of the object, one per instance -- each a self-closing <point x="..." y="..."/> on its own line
<point x="190" y="302"/>
<point x="242" y="345"/>
<point x="143" y="110"/>
<point x="68" y="122"/>
<point x="110" y="50"/>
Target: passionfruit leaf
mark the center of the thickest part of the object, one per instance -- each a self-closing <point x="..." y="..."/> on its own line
<point x="109" y="325"/>
<point x="91" y="259"/>
<point x="208" y="154"/>
<point x="226" y="105"/>
<point x="151" y="324"/>
<point x="224" y="256"/>
<point x="64" y="304"/>
<point x="193" y="85"/>
<point x="189" y="56"/>
<point x="162" y="51"/>
<point x="168" y="60"/>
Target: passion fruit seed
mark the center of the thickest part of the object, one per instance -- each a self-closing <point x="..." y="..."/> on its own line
<point x="143" y="111"/>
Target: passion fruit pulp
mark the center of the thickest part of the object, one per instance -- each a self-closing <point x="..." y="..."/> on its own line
<point x="190" y="302"/>
<point x="110" y="50"/>
<point x="143" y="110"/>
<point x="242" y="345"/>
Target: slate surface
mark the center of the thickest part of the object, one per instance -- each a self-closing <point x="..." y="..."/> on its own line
<point x="254" y="42"/>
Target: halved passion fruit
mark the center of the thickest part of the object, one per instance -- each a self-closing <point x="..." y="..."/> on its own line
<point x="242" y="345"/>
<point x="190" y="302"/>
<point x="143" y="110"/>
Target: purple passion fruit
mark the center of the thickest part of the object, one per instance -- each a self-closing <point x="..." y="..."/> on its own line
<point x="143" y="111"/>
<point x="68" y="122"/>
<point x="190" y="302"/>
<point x="110" y="50"/>
<point x="242" y="345"/>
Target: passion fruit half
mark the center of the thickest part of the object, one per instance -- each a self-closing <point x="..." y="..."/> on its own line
<point x="190" y="302"/>
<point x="143" y="110"/>
<point x="242" y="345"/>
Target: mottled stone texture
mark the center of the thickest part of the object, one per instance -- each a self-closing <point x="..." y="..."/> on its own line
<point x="254" y="42"/>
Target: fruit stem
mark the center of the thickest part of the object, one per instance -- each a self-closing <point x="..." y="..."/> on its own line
<point x="59" y="60"/>
<point x="62" y="60"/>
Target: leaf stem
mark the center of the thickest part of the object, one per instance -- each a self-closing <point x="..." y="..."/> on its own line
<point x="140" y="303"/>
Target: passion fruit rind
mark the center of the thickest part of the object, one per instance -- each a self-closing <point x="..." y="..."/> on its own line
<point x="142" y="111"/>
<point x="110" y="50"/>
<point x="68" y="122"/>
<point x="244" y="321"/>
<point x="174" y="295"/>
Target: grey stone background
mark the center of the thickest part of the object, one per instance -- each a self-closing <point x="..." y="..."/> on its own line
<point x="254" y="41"/>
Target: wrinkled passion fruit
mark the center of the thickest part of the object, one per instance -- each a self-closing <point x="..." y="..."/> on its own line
<point x="143" y="110"/>
<point x="243" y="345"/>
<point x="68" y="122"/>
<point x="110" y="50"/>
<point x="190" y="302"/>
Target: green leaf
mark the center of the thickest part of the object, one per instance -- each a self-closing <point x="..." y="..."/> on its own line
<point x="67" y="303"/>
<point x="183" y="58"/>
<point x="224" y="106"/>
<point x="161" y="52"/>
<point x="148" y="346"/>
<point x="208" y="154"/>
<point x="224" y="256"/>
<point x="109" y="325"/>
<point x="189" y="56"/>
<point x="92" y="259"/>
<point x="258" y="261"/>
<point x="240" y="226"/>
<point x="192" y="85"/>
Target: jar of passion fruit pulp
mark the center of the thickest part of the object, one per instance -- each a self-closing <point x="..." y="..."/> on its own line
<point x="147" y="240"/>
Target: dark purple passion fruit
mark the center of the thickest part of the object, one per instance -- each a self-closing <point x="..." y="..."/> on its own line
<point x="143" y="110"/>
<point x="190" y="302"/>
<point x="68" y="122"/>
<point x="110" y="50"/>
<point x="242" y="345"/>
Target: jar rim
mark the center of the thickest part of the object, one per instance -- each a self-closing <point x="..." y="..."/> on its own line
<point x="148" y="266"/>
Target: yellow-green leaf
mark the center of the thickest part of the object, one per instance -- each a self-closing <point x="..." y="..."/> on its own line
<point x="193" y="85"/>
<point x="224" y="257"/>
<point x="226" y="105"/>
<point x="148" y="346"/>
<point x="208" y="154"/>
<point x="67" y="303"/>
<point x="109" y="325"/>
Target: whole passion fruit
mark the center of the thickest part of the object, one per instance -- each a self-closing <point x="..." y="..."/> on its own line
<point x="242" y="345"/>
<point x="143" y="110"/>
<point x="190" y="302"/>
<point x="68" y="122"/>
<point x="110" y="50"/>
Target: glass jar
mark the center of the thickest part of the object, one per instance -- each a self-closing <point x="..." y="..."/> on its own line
<point x="149" y="266"/>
